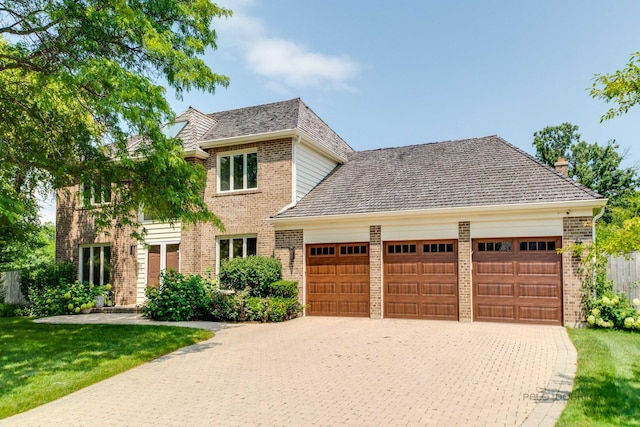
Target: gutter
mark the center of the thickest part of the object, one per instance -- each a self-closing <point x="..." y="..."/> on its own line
<point x="593" y="229"/>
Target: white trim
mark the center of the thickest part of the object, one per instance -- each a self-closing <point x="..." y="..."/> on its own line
<point x="197" y="153"/>
<point x="244" y="238"/>
<point x="91" y="247"/>
<point x="562" y="209"/>
<point x="265" y="136"/>
<point x="231" y="155"/>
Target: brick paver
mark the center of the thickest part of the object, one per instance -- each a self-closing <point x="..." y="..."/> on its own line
<point x="333" y="372"/>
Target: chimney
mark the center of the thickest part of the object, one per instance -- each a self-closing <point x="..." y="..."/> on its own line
<point x="562" y="166"/>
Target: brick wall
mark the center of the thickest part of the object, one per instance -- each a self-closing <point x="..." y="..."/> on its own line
<point x="573" y="229"/>
<point x="464" y="272"/>
<point x="291" y="269"/>
<point x="375" y="272"/>
<point x="74" y="228"/>
<point x="242" y="212"/>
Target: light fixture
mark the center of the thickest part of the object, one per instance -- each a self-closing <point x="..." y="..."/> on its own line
<point x="292" y="253"/>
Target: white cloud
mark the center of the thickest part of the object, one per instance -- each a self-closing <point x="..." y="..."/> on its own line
<point x="284" y="63"/>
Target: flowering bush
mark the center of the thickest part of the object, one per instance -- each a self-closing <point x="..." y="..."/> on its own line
<point x="615" y="311"/>
<point x="65" y="299"/>
<point x="178" y="298"/>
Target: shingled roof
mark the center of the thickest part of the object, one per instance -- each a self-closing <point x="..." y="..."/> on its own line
<point x="450" y="174"/>
<point x="277" y="116"/>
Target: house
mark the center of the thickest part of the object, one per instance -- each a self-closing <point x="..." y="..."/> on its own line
<point x="462" y="230"/>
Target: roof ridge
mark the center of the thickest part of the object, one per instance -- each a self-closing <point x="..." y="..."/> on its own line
<point x="303" y="104"/>
<point x="252" y="106"/>
<point x="531" y="158"/>
<point x="427" y="143"/>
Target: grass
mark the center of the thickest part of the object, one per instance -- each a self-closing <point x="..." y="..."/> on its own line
<point x="606" y="391"/>
<point x="42" y="362"/>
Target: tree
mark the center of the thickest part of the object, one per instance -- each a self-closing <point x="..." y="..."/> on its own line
<point x="621" y="87"/>
<point x="77" y="78"/>
<point x="594" y="166"/>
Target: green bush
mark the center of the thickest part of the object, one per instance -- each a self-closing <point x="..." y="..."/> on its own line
<point x="178" y="298"/>
<point x="271" y="309"/>
<point x="70" y="298"/>
<point x="12" y="310"/>
<point x="254" y="273"/>
<point x="46" y="276"/>
<point x="284" y="289"/>
<point x="615" y="311"/>
<point x="227" y="307"/>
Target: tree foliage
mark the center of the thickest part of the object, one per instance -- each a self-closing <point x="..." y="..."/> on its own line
<point x="77" y="78"/>
<point x="621" y="88"/>
<point x="595" y="166"/>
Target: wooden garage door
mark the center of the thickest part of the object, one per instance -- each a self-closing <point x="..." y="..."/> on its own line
<point x="517" y="280"/>
<point x="421" y="279"/>
<point x="338" y="279"/>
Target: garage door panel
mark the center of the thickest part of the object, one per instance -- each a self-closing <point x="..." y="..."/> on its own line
<point x="318" y="288"/>
<point x="539" y="314"/>
<point x="402" y="269"/>
<point x="440" y="310"/>
<point x="337" y="279"/>
<point x="421" y="279"/>
<point x="354" y="289"/>
<point x="495" y="268"/>
<point x="540" y="291"/>
<point x="402" y="289"/>
<point x="440" y="269"/>
<point x="438" y="289"/>
<point x="321" y="270"/>
<point x="520" y="282"/>
<point x="496" y="312"/>
<point x="402" y="309"/>
<point x="353" y="270"/>
<point x="496" y="290"/>
<point x="538" y="269"/>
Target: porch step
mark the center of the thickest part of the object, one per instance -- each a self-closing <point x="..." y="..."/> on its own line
<point x="118" y="309"/>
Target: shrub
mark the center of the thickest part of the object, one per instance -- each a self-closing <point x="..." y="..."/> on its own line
<point x="70" y="298"/>
<point x="46" y="276"/>
<point x="284" y="289"/>
<point x="12" y="310"/>
<point x="614" y="311"/>
<point x="254" y="273"/>
<point x="227" y="306"/>
<point x="178" y="298"/>
<point x="271" y="309"/>
<point x="256" y="309"/>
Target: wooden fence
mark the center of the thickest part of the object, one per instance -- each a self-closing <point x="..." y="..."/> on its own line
<point x="625" y="274"/>
<point x="10" y="288"/>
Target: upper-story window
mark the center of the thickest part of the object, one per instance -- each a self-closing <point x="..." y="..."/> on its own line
<point x="237" y="171"/>
<point x="96" y="193"/>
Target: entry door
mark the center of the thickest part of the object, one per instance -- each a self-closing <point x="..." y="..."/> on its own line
<point x="161" y="257"/>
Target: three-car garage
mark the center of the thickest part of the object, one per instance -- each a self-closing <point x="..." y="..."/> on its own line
<point x="513" y="279"/>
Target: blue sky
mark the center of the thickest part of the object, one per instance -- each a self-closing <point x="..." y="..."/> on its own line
<point x="385" y="74"/>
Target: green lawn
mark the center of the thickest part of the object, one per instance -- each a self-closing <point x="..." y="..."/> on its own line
<point x="42" y="362"/>
<point x="606" y="390"/>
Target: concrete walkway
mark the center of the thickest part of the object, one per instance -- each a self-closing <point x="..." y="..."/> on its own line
<point x="333" y="372"/>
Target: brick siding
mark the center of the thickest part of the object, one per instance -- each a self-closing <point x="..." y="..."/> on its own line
<point x="291" y="269"/>
<point x="375" y="272"/>
<point x="465" y="303"/>
<point x="573" y="229"/>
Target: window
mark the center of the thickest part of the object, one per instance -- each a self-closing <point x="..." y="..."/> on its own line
<point x="495" y="246"/>
<point x="95" y="264"/>
<point x="235" y="247"/>
<point x="353" y="249"/>
<point x="238" y="171"/>
<point x="437" y="247"/>
<point x="402" y="249"/>
<point x="96" y="193"/>
<point x="538" y="246"/>
<point x="323" y="251"/>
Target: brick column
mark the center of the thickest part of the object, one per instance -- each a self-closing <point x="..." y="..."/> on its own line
<point x="572" y="230"/>
<point x="292" y="269"/>
<point x="464" y="272"/>
<point x="375" y="272"/>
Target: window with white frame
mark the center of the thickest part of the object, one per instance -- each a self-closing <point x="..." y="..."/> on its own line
<point x="95" y="264"/>
<point x="235" y="247"/>
<point x="96" y="193"/>
<point x="237" y="171"/>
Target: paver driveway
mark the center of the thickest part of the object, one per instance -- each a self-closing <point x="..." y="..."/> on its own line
<point x="335" y="371"/>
